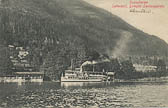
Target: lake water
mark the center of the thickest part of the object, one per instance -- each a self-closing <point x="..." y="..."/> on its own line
<point x="83" y="95"/>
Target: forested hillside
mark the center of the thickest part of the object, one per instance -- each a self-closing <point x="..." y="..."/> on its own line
<point x="56" y="31"/>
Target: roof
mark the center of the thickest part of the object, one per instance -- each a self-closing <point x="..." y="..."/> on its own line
<point x="110" y="73"/>
<point x="10" y="46"/>
<point x="30" y="73"/>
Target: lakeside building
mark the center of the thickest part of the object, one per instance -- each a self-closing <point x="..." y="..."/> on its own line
<point x="145" y="68"/>
<point x="23" y="77"/>
<point x="23" y="71"/>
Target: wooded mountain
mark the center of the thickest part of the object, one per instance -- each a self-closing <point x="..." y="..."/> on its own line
<point x="77" y="22"/>
<point x="65" y="29"/>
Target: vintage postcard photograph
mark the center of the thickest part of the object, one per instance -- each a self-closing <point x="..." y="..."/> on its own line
<point x="83" y="53"/>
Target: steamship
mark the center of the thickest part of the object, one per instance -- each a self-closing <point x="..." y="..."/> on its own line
<point x="81" y="75"/>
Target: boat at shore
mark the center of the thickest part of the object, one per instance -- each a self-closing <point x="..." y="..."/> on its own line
<point x="77" y="76"/>
<point x="81" y="75"/>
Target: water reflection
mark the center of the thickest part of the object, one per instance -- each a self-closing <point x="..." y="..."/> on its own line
<point x="79" y="84"/>
<point x="27" y="83"/>
<point x="75" y="94"/>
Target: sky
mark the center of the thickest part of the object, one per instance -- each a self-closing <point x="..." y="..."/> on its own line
<point x="154" y="23"/>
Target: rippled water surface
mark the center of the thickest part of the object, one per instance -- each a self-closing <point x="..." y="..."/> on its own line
<point x="83" y="95"/>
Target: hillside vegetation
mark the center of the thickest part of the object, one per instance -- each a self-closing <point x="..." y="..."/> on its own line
<point x="56" y="31"/>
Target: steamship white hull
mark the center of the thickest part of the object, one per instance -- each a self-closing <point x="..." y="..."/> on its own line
<point x="64" y="79"/>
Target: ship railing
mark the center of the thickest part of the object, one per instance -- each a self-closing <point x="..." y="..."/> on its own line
<point x="98" y="73"/>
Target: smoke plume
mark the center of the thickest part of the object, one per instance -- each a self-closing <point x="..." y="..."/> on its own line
<point x="121" y="46"/>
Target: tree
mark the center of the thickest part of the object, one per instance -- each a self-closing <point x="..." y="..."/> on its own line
<point x="161" y="67"/>
<point x="127" y="69"/>
<point x="92" y="54"/>
<point x="55" y="63"/>
<point x="115" y="67"/>
<point x="5" y="62"/>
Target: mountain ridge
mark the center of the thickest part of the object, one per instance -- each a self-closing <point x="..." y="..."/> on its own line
<point x="94" y="27"/>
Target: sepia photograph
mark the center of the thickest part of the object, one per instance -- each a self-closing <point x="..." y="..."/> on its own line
<point x="83" y="54"/>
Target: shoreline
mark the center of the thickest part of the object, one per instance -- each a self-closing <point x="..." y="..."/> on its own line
<point x="143" y="80"/>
